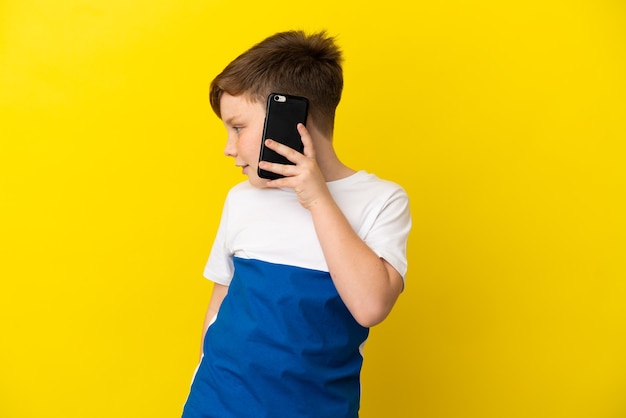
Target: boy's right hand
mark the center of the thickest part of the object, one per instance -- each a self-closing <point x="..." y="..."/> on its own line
<point x="304" y="177"/>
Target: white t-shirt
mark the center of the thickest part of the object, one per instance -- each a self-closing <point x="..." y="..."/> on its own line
<point x="271" y="225"/>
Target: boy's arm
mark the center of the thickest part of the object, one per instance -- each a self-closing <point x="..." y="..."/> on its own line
<point x="217" y="296"/>
<point x="367" y="284"/>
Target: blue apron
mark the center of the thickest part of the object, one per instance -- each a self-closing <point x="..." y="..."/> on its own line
<point x="284" y="345"/>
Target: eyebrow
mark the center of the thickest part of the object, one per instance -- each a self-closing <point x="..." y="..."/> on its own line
<point x="230" y="120"/>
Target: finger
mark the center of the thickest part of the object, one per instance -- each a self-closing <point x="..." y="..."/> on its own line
<point x="283" y="169"/>
<point x="282" y="149"/>
<point x="307" y="141"/>
<point x="278" y="183"/>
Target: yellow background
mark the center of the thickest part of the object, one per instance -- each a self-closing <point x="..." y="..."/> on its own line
<point x="505" y="122"/>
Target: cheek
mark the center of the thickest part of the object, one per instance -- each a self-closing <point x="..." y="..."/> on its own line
<point x="252" y="144"/>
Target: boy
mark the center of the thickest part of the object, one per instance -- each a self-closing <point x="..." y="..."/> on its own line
<point x="302" y="265"/>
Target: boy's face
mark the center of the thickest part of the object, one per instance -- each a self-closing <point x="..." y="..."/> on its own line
<point x="243" y="120"/>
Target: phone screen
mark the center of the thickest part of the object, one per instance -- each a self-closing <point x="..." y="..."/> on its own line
<point x="283" y="113"/>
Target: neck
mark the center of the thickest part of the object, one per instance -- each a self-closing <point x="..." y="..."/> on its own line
<point x="329" y="163"/>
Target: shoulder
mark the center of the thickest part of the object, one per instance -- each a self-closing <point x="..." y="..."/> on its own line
<point x="366" y="200"/>
<point x="367" y="184"/>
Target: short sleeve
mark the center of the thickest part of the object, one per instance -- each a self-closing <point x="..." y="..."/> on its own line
<point x="388" y="235"/>
<point x="219" y="267"/>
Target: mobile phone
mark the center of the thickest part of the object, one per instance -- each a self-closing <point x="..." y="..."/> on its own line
<point x="282" y="114"/>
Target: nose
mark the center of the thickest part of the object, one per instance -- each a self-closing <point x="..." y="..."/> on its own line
<point x="230" y="150"/>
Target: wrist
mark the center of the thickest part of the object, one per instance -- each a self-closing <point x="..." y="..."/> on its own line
<point x="322" y="205"/>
